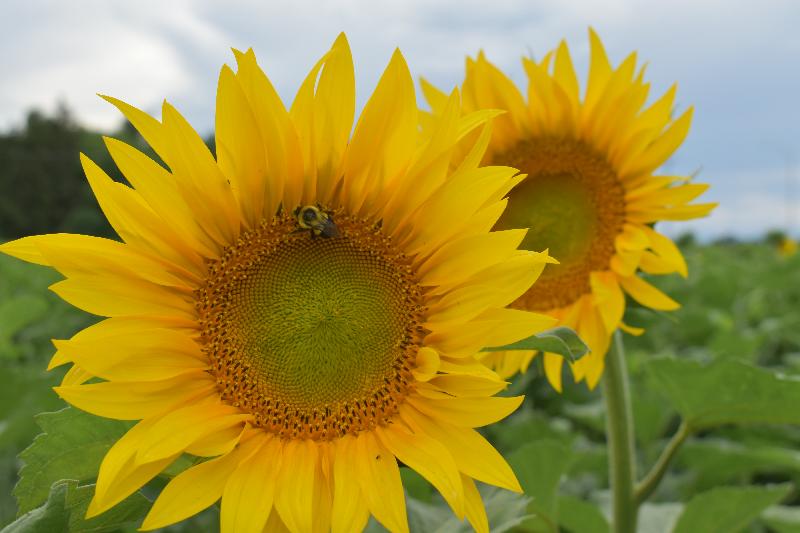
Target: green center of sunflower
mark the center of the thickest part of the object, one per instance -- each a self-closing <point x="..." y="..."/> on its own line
<point x="573" y="203"/>
<point x="314" y="336"/>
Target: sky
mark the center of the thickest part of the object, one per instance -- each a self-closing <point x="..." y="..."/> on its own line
<point x="737" y="62"/>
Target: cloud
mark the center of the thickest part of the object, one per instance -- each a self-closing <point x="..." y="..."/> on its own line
<point x="735" y="60"/>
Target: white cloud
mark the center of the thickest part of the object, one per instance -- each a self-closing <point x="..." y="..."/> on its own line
<point x="734" y="60"/>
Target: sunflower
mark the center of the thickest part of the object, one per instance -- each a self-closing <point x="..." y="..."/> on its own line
<point x="301" y="311"/>
<point x="590" y="196"/>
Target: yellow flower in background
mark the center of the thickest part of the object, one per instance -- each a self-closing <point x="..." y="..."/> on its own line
<point x="304" y="310"/>
<point x="590" y="194"/>
<point x="787" y="246"/>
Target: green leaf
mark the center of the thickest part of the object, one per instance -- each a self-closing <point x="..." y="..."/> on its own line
<point x="658" y="517"/>
<point x="65" y="509"/>
<point x="728" y="509"/>
<point x="782" y="519"/>
<point x="16" y="313"/>
<point x="714" y="462"/>
<point x="72" y="446"/>
<point x="505" y="510"/>
<point x="540" y="466"/>
<point x="579" y="516"/>
<point x="561" y="340"/>
<point x="727" y="392"/>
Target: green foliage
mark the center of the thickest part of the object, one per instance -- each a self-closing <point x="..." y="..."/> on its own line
<point x="580" y="516"/>
<point x="782" y="519"/>
<point x="540" y="466"/>
<point x="561" y="340"/>
<point x="72" y="445"/>
<point x="727" y="392"/>
<point x="504" y="510"/>
<point x="728" y="509"/>
<point x="65" y="510"/>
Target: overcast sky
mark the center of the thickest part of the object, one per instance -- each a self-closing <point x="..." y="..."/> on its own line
<point x="737" y="62"/>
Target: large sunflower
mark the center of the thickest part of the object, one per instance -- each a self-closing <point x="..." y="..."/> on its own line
<point x="304" y="310"/>
<point x="590" y="195"/>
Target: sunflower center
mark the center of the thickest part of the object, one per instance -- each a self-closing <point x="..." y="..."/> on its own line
<point x="314" y="336"/>
<point x="573" y="203"/>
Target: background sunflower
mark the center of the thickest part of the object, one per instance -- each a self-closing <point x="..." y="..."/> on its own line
<point x="590" y="194"/>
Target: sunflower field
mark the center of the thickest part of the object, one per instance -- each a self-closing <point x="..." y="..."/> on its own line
<point x="453" y="315"/>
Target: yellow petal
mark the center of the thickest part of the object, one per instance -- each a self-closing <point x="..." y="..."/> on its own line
<point x="217" y="442"/>
<point x="494" y="90"/>
<point x="295" y="482"/>
<point x="194" y="489"/>
<point x="599" y="70"/>
<point x="630" y="330"/>
<point x="248" y="495"/>
<point x="496" y="286"/>
<point x="647" y="295"/>
<point x="609" y="298"/>
<point x="384" y="136"/>
<point x="450" y="208"/>
<point x="466" y="366"/>
<point x="426" y="173"/>
<point x="661" y="149"/>
<point x="666" y="250"/>
<point x="334" y="109"/>
<point x="593" y="332"/>
<point x="473" y="454"/>
<point x="75" y="255"/>
<point x="427" y="364"/>
<point x="468" y="386"/>
<point x="684" y="212"/>
<point x="142" y="351"/>
<point x="121" y="296"/>
<point x="553" y="363"/>
<point x="475" y="511"/>
<point x="430" y="459"/>
<point x="120" y="475"/>
<point x="462" y="258"/>
<point x="135" y="222"/>
<point x="672" y="196"/>
<point x="350" y="511"/>
<point x="199" y="179"/>
<point x="136" y="400"/>
<point x="564" y="74"/>
<point x="381" y="487"/>
<point x="158" y="188"/>
<point x="281" y="144"/>
<point x="436" y="99"/>
<point x="467" y="412"/>
<point x="76" y="376"/>
<point x="239" y="147"/>
<point x="175" y="431"/>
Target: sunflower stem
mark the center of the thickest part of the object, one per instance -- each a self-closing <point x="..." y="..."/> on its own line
<point x="650" y="482"/>
<point x="619" y="435"/>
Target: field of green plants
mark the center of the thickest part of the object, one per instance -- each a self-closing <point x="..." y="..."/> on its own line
<point x="723" y="373"/>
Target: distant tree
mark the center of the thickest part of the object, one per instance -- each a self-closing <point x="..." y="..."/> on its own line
<point x="42" y="185"/>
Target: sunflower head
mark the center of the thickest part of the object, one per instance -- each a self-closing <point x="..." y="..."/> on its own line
<point x="592" y="193"/>
<point x="304" y="310"/>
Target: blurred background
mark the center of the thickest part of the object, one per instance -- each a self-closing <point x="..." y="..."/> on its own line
<point x="736" y="61"/>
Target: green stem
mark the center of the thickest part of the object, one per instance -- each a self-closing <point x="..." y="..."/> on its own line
<point x="647" y="485"/>
<point x="619" y="434"/>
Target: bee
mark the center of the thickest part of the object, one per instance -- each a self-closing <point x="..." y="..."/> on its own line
<point x="318" y="221"/>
